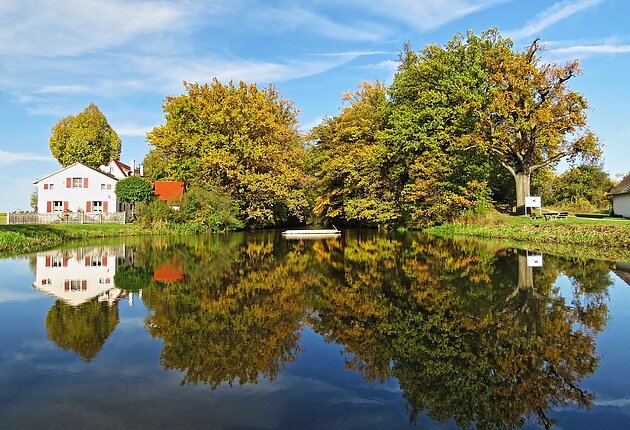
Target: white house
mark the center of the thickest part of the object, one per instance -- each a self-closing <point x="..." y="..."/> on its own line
<point x="76" y="188"/>
<point x="621" y="198"/>
<point x="121" y="170"/>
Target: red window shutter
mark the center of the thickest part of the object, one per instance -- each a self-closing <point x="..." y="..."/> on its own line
<point x="65" y="262"/>
<point x="107" y="280"/>
<point x="105" y="207"/>
<point x="87" y="261"/>
<point x="84" y="285"/>
<point x="65" y="206"/>
<point x="43" y="282"/>
<point x="109" y="186"/>
<point x="85" y="182"/>
<point x="47" y="261"/>
<point x="68" y="182"/>
<point x="66" y="285"/>
<point x="48" y="207"/>
<point x="45" y="186"/>
<point x="88" y="206"/>
<point x="104" y="260"/>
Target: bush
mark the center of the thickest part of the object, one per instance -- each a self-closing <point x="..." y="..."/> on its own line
<point x="210" y="210"/>
<point x="156" y="215"/>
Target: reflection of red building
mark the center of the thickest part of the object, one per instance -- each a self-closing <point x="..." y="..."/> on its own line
<point x="170" y="271"/>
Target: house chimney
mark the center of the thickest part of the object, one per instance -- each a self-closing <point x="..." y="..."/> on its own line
<point x="133" y="168"/>
<point x="141" y="170"/>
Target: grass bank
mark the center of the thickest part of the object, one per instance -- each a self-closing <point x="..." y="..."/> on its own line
<point x="604" y="238"/>
<point x="25" y="238"/>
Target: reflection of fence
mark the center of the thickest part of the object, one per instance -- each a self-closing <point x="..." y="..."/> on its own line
<point x="66" y="218"/>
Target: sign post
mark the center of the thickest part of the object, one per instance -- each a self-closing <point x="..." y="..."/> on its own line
<point x="533" y="202"/>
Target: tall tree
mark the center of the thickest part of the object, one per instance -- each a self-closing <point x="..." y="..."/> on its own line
<point x="532" y="119"/>
<point x="350" y="161"/>
<point x="242" y="139"/>
<point x="85" y="138"/>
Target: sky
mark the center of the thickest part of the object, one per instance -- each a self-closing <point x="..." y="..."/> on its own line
<point x="57" y="56"/>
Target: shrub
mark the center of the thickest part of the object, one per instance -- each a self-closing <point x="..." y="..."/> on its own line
<point x="210" y="210"/>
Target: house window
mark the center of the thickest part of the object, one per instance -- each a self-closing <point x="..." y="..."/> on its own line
<point x="56" y="262"/>
<point x="75" y="285"/>
<point x="77" y="182"/>
<point x="57" y="207"/>
<point x="106" y="187"/>
<point x="49" y="186"/>
<point x="96" y="262"/>
<point x="97" y="207"/>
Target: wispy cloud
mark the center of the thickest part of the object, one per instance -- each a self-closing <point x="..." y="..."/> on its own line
<point x="588" y="50"/>
<point x="7" y="157"/>
<point x="131" y="129"/>
<point x="550" y="16"/>
<point x="62" y="89"/>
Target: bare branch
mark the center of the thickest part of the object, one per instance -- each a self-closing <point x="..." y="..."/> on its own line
<point x="549" y="161"/>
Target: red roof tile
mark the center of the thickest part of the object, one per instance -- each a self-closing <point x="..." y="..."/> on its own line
<point x="169" y="191"/>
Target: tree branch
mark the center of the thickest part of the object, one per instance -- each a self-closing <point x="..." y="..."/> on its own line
<point x="549" y="161"/>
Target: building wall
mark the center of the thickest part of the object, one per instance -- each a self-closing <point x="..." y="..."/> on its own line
<point x="621" y="204"/>
<point x="100" y="187"/>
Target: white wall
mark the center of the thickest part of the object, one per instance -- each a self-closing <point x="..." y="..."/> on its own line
<point x="76" y="197"/>
<point x="621" y="204"/>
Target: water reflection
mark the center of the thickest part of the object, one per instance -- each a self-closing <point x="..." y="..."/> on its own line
<point x="472" y="333"/>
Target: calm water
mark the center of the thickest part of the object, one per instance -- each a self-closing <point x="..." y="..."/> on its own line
<point x="369" y="331"/>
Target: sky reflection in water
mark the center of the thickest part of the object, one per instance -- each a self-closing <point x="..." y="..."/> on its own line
<point x="372" y="330"/>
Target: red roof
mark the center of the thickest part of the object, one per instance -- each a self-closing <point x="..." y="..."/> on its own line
<point x="169" y="191"/>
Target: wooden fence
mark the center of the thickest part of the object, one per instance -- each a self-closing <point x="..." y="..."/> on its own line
<point x="66" y="218"/>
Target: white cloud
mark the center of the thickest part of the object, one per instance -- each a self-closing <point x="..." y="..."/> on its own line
<point x="588" y="50"/>
<point x="550" y="16"/>
<point x="74" y="27"/>
<point x="62" y="89"/>
<point x="131" y="129"/>
<point x="7" y="157"/>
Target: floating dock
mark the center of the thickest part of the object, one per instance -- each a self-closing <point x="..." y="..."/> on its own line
<point x="311" y="234"/>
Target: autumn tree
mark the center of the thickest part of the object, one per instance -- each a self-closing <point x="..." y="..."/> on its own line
<point x="349" y="161"/>
<point x="531" y="118"/>
<point x="85" y="138"/>
<point x="585" y="185"/>
<point x="242" y="139"/>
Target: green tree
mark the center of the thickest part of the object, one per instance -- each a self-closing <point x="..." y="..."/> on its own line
<point x="155" y="167"/>
<point x="85" y="138"/>
<point x="586" y="185"/>
<point x="34" y="200"/>
<point x="133" y="190"/>
<point x="241" y="139"/>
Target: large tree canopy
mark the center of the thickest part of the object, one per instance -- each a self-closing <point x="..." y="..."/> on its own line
<point x="85" y="138"/>
<point x="240" y="138"/>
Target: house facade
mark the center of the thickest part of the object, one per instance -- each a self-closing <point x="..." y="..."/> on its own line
<point x="76" y="188"/>
<point x="121" y="170"/>
<point x="621" y="198"/>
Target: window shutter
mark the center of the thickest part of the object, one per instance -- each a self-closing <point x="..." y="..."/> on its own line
<point x="47" y="261"/>
<point x="88" y="206"/>
<point x="45" y="186"/>
<point x="65" y="262"/>
<point x="68" y="182"/>
<point x="84" y="285"/>
<point x="66" y="285"/>
<point x="105" y="207"/>
<point x="48" y="207"/>
<point x="87" y="261"/>
<point x="65" y="206"/>
<point x="104" y="260"/>
<point x="85" y="182"/>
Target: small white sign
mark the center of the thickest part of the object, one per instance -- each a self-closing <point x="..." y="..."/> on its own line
<point x="533" y="201"/>
<point x="535" y="260"/>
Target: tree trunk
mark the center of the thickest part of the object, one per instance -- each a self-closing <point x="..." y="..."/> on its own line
<point x="522" y="190"/>
<point x="525" y="273"/>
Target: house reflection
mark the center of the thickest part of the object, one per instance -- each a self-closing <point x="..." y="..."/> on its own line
<point x="80" y="275"/>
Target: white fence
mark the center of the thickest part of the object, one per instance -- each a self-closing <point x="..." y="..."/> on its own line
<point x="66" y="218"/>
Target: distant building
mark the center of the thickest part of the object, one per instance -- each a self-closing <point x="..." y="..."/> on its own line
<point x="121" y="170"/>
<point x="171" y="192"/>
<point x="621" y="198"/>
<point x="76" y="188"/>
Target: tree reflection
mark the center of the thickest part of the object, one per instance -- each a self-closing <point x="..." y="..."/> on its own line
<point x="235" y="322"/>
<point x="82" y="329"/>
<point x="471" y="334"/>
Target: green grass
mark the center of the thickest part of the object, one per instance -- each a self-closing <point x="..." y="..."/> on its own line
<point x="27" y="237"/>
<point x="604" y="238"/>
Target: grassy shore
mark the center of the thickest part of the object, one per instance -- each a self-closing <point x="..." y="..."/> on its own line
<point x="604" y="238"/>
<point x="23" y="238"/>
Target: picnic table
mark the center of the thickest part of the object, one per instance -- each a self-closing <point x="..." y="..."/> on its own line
<point x="555" y="215"/>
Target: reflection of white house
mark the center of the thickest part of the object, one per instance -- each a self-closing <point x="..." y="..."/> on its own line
<point x="76" y="187"/>
<point x="79" y="275"/>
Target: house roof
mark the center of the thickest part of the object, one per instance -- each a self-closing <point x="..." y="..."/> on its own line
<point x="169" y="191"/>
<point x="72" y="165"/>
<point x="623" y="187"/>
<point x="168" y="272"/>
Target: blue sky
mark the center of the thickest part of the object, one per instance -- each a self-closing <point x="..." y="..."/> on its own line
<point x="126" y="56"/>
